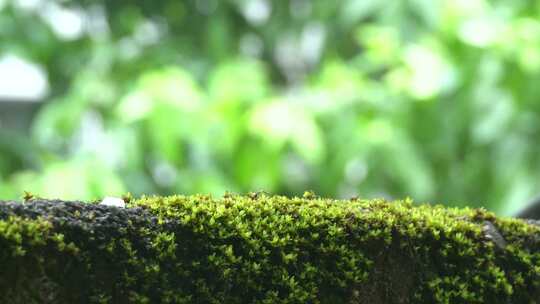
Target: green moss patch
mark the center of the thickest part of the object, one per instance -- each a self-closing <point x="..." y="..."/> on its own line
<point x="264" y="249"/>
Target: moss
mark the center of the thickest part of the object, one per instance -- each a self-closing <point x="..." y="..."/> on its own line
<point x="264" y="249"/>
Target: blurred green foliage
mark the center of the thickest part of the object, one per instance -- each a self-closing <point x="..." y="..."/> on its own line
<point x="436" y="100"/>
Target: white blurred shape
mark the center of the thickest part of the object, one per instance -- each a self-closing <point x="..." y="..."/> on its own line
<point x="431" y="74"/>
<point x="128" y="48"/>
<point x="356" y="171"/>
<point x="113" y="201"/>
<point x="92" y="138"/>
<point x="22" y="80"/>
<point x="312" y="41"/>
<point x="251" y="45"/>
<point x="276" y="120"/>
<point x="134" y="106"/>
<point x="90" y="135"/>
<point x="289" y="58"/>
<point x="28" y="5"/>
<point x="96" y="21"/>
<point x="164" y="174"/>
<point x="147" y="33"/>
<point x="257" y="12"/>
<point x="295" y="170"/>
<point x="66" y="23"/>
<point x="467" y="7"/>
<point x="480" y="32"/>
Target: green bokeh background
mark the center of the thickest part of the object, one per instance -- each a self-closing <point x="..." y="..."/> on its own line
<point x="435" y="100"/>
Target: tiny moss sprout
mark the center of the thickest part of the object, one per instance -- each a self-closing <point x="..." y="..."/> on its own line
<point x="28" y="196"/>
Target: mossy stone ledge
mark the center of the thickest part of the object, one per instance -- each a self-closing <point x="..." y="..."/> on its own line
<point x="264" y="249"/>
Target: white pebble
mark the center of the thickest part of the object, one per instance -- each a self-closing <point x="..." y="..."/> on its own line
<point x="113" y="201"/>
